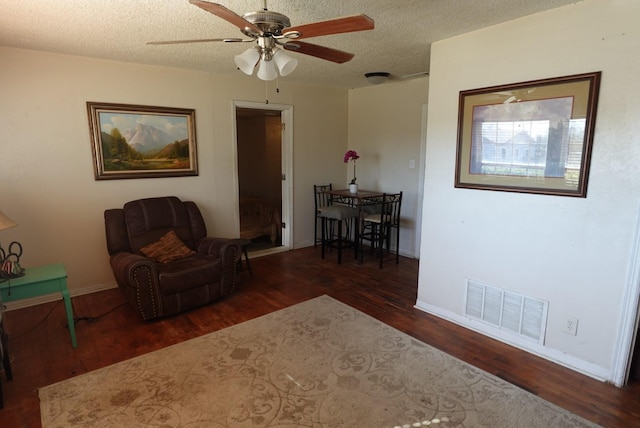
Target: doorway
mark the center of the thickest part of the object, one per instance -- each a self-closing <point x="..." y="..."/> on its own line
<point x="263" y="174"/>
<point x="625" y="368"/>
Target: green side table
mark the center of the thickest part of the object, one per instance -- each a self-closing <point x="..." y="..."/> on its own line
<point x="39" y="281"/>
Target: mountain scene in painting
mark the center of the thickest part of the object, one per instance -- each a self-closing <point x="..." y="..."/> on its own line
<point x="142" y="146"/>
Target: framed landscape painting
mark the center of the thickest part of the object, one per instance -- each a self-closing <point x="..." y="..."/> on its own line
<point x="134" y="141"/>
<point x="530" y="137"/>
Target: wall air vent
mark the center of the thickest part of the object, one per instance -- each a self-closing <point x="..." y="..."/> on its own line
<point x="520" y="314"/>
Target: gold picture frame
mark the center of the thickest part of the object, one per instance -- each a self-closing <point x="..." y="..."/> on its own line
<point x="136" y="141"/>
<point x="531" y="137"/>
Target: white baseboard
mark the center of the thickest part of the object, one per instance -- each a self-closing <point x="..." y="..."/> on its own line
<point x="309" y="243"/>
<point x="266" y="252"/>
<point x="25" y="303"/>
<point x="303" y="244"/>
<point x="576" y="364"/>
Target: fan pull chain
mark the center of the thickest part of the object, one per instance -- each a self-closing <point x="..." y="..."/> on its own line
<point x="266" y="89"/>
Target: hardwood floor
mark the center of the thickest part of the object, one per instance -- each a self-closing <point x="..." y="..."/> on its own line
<point x="108" y="331"/>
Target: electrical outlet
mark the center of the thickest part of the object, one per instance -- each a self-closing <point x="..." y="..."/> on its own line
<point x="570" y="325"/>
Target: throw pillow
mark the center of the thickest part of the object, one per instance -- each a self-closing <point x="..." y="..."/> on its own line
<point x="167" y="249"/>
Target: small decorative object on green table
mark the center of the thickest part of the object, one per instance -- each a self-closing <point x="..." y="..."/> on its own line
<point x="39" y="281"/>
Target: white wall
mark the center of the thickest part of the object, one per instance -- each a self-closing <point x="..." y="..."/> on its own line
<point x="385" y="128"/>
<point x="573" y="252"/>
<point x="46" y="174"/>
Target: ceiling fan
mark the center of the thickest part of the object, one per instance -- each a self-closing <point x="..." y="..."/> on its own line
<point x="273" y="34"/>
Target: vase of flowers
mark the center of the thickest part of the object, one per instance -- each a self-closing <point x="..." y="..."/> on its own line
<point x="352" y="155"/>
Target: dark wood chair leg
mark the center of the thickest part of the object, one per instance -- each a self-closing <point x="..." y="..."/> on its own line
<point x="246" y="260"/>
<point x="244" y="244"/>
<point x="6" y="361"/>
<point x="323" y="231"/>
<point x="381" y="234"/>
<point x="339" y="241"/>
<point x="397" y="245"/>
<point x="356" y="237"/>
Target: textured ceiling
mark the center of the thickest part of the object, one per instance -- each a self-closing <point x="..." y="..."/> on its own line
<point x="119" y="29"/>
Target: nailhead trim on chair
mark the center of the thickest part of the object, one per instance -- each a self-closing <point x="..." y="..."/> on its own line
<point x="228" y="284"/>
<point x="151" y="294"/>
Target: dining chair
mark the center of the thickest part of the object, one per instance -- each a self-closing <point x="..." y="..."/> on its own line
<point x="338" y="222"/>
<point x="379" y="224"/>
<point x="321" y="200"/>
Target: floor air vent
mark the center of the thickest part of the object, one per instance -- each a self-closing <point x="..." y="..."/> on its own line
<point x="507" y="310"/>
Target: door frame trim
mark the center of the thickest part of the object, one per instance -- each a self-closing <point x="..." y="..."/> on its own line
<point x="630" y="315"/>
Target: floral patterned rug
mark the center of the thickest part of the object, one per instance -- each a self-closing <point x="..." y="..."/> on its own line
<point x="316" y="364"/>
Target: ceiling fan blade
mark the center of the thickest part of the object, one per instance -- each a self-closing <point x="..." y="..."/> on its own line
<point x="176" y="42"/>
<point x="318" y="51"/>
<point x="229" y="16"/>
<point x="333" y="26"/>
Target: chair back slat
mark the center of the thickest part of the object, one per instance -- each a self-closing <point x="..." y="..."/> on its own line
<point x="391" y="205"/>
<point x="380" y="220"/>
<point x="322" y="199"/>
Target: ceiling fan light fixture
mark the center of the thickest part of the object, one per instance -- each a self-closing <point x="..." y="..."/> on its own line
<point x="247" y="60"/>
<point x="376" y="77"/>
<point x="269" y="29"/>
<point x="285" y="62"/>
<point x="267" y="70"/>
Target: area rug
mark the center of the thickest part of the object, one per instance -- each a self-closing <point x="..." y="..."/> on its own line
<point x="316" y="364"/>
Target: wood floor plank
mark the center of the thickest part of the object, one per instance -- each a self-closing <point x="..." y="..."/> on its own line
<point x="109" y="331"/>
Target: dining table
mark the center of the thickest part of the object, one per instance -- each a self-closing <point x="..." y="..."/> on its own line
<point x="360" y="200"/>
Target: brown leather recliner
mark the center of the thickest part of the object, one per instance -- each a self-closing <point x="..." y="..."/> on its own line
<point x="156" y="289"/>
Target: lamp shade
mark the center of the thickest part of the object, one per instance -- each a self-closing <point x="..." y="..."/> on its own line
<point x="6" y="222"/>
<point x="246" y="61"/>
<point x="267" y="70"/>
<point x="286" y="64"/>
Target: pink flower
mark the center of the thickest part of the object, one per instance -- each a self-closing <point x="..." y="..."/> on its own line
<point x="352" y="155"/>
